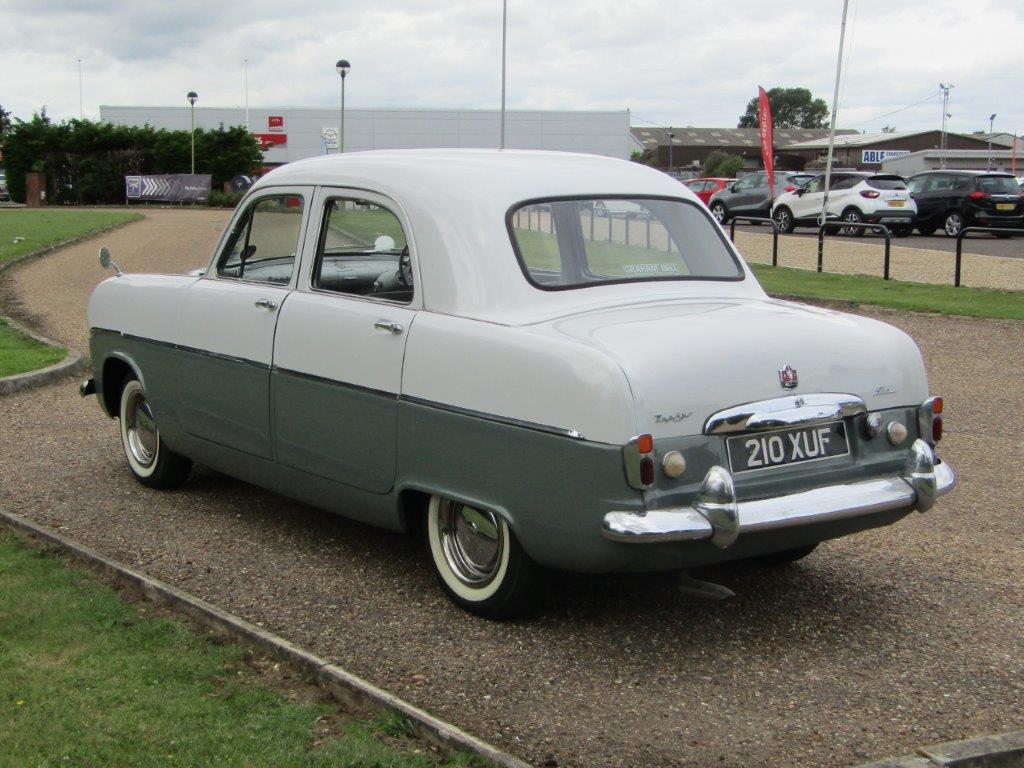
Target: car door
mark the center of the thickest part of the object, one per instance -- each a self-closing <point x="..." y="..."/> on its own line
<point x="747" y="192"/>
<point x="228" y="318"/>
<point x="808" y="204"/>
<point x="341" y="341"/>
<point x="841" y="195"/>
<point x="937" y="191"/>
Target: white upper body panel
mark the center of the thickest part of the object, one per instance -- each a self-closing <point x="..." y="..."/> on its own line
<point x="456" y="202"/>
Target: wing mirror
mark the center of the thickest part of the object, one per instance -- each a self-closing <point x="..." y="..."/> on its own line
<point x="106" y="262"/>
<point x="799" y="191"/>
<point x="732" y="187"/>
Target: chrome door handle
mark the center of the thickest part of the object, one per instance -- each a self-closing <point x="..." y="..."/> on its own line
<point x="266" y="304"/>
<point x="389" y="326"/>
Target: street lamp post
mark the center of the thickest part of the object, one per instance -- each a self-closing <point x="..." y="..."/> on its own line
<point x="670" y="137"/>
<point x="991" y="122"/>
<point x="192" y="96"/>
<point x="945" y="114"/>
<point x="343" y="67"/>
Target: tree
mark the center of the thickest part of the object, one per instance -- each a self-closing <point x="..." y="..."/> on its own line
<point x="791" y="108"/>
<point x="722" y="165"/>
<point x="5" y="124"/>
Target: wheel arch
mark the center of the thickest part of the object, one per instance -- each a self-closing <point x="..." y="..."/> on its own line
<point x="117" y="368"/>
<point x="414" y="500"/>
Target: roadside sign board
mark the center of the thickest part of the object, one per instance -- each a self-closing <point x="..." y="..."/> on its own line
<point x="329" y="133"/>
<point x="275" y="123"/>
<point x="169" y="188"/>
<point x="876" y="156"/>
<point x="269" y="140"/>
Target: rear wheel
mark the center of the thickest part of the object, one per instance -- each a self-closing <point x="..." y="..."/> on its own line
<point x="781" y="559"/>
<point x="478" y="561"/>
<point x="854" y="216"/>
<point x="954" y="223"/>
<point x="719" y="212"/>
<point x="150" y="460"/>
<point x="902" y="230"/>
<point x="784" y="219"/>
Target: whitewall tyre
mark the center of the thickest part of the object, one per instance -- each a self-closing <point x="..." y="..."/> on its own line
<point x="152" y="463"/>
<point x="478" y="561"/>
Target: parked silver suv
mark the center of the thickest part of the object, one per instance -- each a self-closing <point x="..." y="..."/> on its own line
<point x="748" y="196"/>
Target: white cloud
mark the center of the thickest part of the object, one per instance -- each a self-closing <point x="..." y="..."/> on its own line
<point x="685" y="62"/>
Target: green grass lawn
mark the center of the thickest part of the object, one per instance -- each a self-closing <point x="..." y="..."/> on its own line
<point x="43" y="227"/>
<point x="19" y="353"/>
<point x="916" y="297"/>
<point x="89" y="680"/>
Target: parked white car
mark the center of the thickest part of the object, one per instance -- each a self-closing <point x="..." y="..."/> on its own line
<point x="440" y="342"/>
<point x="854" y="196"/>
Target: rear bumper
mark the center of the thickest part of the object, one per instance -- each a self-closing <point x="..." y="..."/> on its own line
<point x="716" y="514"/>
<point x="890" y="217"/>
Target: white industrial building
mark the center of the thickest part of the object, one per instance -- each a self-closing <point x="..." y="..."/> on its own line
<point x="289" y="133"/>
<point x="954" y="159"/>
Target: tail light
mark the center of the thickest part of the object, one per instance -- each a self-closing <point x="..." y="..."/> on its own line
<point x="638" y="458"/>
<point x="869" y="193"/>
<point x="789" y="188"/>
<point x="977" y="196"/>
<point x="929" y="420"/>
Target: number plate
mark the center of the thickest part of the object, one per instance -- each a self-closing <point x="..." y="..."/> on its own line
<point x="897" y="203"/>
<point x="787" y="446"/>
<point x="1005" y="206"/>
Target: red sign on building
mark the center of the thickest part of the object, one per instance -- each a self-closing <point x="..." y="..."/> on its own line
<point x="268" y="140"/>
<point x="275" y="123"/>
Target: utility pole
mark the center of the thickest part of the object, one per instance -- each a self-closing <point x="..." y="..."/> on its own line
<point x="832" y="125"/>
<point x="81" y="109"/>
<point x="945" y="113"/>
<point x="671" y="136"/>
<point x="504" y="39"/>
<point x="245" y="68"/>
<point x="991" y="122"/>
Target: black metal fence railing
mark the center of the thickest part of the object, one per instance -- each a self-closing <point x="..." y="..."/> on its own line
<point x="854" y="225"/>
<point x="960" y="245"/>
<point x="758" y="220"/>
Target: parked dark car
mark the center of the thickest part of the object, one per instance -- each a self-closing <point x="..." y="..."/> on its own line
<point x="748" y="196"/>
<point x="952" y="200"/>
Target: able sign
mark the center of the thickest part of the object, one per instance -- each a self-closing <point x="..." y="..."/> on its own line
<point x="876" y="156"/>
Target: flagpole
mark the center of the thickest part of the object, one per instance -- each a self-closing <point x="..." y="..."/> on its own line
<point x="504" y="38"/>
<point x="832" y="125"/>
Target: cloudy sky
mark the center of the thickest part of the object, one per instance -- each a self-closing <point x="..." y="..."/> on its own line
<point x="679" y="62"/>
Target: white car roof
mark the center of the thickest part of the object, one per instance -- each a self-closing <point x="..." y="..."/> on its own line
<point x="456" y="201"/>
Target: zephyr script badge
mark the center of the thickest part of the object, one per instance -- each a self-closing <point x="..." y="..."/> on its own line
<point x="788" y="377"/>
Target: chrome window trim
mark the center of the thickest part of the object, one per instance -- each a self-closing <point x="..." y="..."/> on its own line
<point x="307" y="194"/>
<point x="782" y="412"/>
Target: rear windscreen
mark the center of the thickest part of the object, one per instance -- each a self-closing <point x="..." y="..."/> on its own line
<point x="999" y="185"/>
<point x="887" y="182"/>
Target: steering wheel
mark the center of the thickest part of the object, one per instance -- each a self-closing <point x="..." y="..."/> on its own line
<point x="404" y="274"/>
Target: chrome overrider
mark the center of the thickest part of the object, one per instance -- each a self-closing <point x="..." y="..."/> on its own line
<point x="716" y="515"/>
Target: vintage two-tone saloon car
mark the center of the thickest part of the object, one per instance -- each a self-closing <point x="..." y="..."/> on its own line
<point x="455" y="343"/>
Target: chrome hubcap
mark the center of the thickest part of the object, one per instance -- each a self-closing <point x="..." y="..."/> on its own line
<point x="953" y="225"/>
<point x="472" y="541"/>
<point x="141" y="430"/>
<point x="718" y="213"/>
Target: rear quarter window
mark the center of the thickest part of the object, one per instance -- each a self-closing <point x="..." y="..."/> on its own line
<point x="886" y="182"/>
<point x="999" y="185"/>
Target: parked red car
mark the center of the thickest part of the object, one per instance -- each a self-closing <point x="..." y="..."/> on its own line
<point x="705" y="188"/>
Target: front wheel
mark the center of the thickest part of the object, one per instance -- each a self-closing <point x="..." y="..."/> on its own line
<point x="902" y="230"/>
<point x="719" y="212"/>
<point x="784" y="219"/>
<point x="853" y="216"/>
<point x="152" y="463"/>
<point x="954" y="223"/>
<point x="478" y="561"/>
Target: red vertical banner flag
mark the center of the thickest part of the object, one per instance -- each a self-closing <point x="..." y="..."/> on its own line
<point x="764" y="120"/>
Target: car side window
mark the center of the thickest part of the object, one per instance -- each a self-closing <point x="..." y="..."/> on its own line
<point x="916" y="184"/>
<point x="816" y="184"/>
<point x="940" y="183"/>
<point x="961" y="182"/>
<point x="263" y="245"/>
<point x="747" y="182"/>
<point x="844" y="182"/>
<point x="363" y="251"/>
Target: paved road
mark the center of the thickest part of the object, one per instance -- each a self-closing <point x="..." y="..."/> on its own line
<point x="981" y="244"/>
<point x="874" y="644"/>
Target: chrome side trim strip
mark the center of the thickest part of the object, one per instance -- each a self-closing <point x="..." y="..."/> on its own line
<point x="926" y="478"/>
<point x="196" y="351"/>
<point x="560" y="431"/>
<point x="782" y="412"/>
<point x="335" y="383"/>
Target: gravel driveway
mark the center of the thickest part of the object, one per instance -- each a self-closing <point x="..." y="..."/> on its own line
<point x="873" y="644"/>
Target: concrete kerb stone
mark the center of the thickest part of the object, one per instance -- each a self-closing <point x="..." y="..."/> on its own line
<point x="351" y="691"/>
<point x="1005" y="750"/>
<point x="18" y="382"/>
